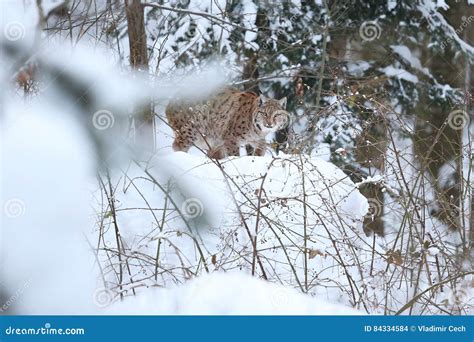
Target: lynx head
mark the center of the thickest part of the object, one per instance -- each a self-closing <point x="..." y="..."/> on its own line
<point x="271" y="115"/>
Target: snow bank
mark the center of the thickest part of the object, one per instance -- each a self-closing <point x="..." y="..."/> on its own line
<point x="227" y="294"/>
<point x="283" y="218"/>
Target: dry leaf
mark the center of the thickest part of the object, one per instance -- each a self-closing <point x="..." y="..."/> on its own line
<point x="314" y="252"/>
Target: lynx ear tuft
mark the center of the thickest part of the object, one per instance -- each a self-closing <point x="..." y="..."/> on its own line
<point x="282" y="102"/>
<point x="262" y="99"/>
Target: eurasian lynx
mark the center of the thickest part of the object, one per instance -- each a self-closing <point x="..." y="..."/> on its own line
<point x="225" y="122"/>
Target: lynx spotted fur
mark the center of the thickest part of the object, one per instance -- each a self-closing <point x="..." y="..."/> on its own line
<point x="226" y="121"/>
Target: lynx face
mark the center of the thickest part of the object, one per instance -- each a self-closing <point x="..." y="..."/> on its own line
<point x="271" y="115"/>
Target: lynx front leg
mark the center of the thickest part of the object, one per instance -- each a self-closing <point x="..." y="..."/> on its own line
<point x="226" y="150"/>
<point x="216" y="153"/>
<point x="180" y="144"/>
<point x="232" y="149"/>
<point x="259" y="147"/>
<point x="183" y="141"/>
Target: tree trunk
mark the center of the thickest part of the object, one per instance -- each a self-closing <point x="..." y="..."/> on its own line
<point x="144" y="114"/>
<point x="250" y="71"/>
<point x="136" y="34"/>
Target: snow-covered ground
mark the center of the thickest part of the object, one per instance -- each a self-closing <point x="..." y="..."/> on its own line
<point x="280" y="217"/>
<point x="233" y="293"/>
